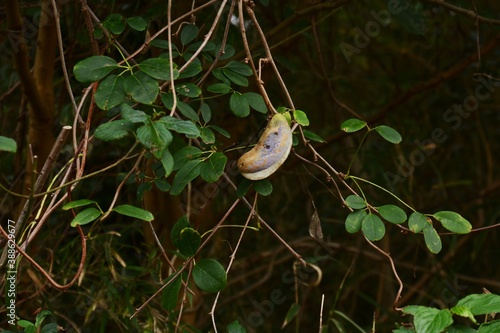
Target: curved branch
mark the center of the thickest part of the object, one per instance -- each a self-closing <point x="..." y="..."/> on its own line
<point x="44" y="273"/>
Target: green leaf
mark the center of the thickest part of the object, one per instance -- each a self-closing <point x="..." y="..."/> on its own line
<point x="158" y="68"/>
<point x="239" y="67"/>
<point x="50" y="328"/>
<point x="192" y="70"/>
<point x="213" y="168"/>
<point x="110" y="92"/>
<point x="141" y="87"/>
<point x="301" y="117"/>
<point x="432" y="319"/>
<point x="187" y="111"/>
<point x="373" y="228"/>
<point x="312" y="136"/>
<point x="189" y="241"/>
<point x="24" y="323"/>
<point x="209" y="46"/>
<point x="239" y="105"/>
<point x="170" y="294"/>
<point x="154" y="135"/>
<point x="183" y="155"/>
<point x="167" y="161"/>
<point x="463" y="312"/>
<point x="134" y="212"/>
<point x="137" y="23"/>
<point x="206" y="113"/>
<point x="162" y="184"/>
<point x="175" y="233"/>
<point x="188" y="90"/>
<point x="114" y="23"/>
<point x="355" y="202"/>
<point x="453" y="222"/>
<point x="256" y="102"/>
<point x="220" y="131"/>
<point x="236" y="78"/>
<point x="113" y="130"/>
<point x="207" y="135"/>
<point x="389" y="133"/>
<point x="186" y="127"/>
<point x="8" y="144"/>
<point x="292" y="312"/>
<point x="219" y="88"/>
<point x="40" y="317"/>
<point x="228" y="51"/>
<point x="417" y="222"/>
<point x="490" y="327"/>
<point x="263" y="187"/>
<point x="352" y="125"/>
<point x="94" y="68"/>
<point x="133" y="116"/>
<point x="187" y="173"/>
<point x="78" y="203"/>
<point x="481" y="304"/>
<point x="188" y="33"/>
<point x="86" y="216"/>
<point x="392" y="213"/>
<point x="432" y="239"/>
<point x="354" y="220"/>
<point x="243" y="187"/>
<point x="209" y="275"/>
<point x="235" y="327"/>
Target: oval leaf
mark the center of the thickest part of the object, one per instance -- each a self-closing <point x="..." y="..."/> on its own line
<point x="389" y="133"/>
<point x="209" y="275"/>
<point x="312" y="136"/>
<point x="301" y="117"/>
<point x="239" y="105"/>
<point x="86" y="216"/>
<point x="175" y="233"/>
<point x="354" y="220"/>
<point x="219" y="88"/>
<point x="113" y="130"/>
<point x="417" y="222"/>
<point x="187" y="173"/>
<point x="263" y="187"/>
<point x="94" y="68"/>
<point x="170" y="294"/>
<point x="453" y="222"/>
<point x="373" y="228"/>
<point x="213" y="168"/>
<point x="110" y="92"/>
<point x="481" y="304"/>
<point x="141" y="87"/>
<point x="256" y="102"/>
<point x="355" y="202"/>
<point x="8" y="144"/>
<point x="158" y="68"/>
<point x="134" y="212"/>
<point x="392" y="214"/>
<point x="432" y="239"/>
<point x="352" y="125"/>
<point x="77" y="203"/>
<point x="189" y="242"/>
<point x="432" y="319"/>
<point x="188" y="33"/>
<point x="137" y="23"/>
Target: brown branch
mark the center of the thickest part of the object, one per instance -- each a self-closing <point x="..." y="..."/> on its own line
<point x="44" y="273"/>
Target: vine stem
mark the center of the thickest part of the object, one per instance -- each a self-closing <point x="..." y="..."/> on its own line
<point x="47" y="275"/>
<point x="187" y="263"/>
<point x="396" y="275"/>
<point x="233" y="256"/>
<point x="383" y="189"/>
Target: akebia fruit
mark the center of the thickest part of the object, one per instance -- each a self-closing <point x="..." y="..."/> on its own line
<point x="270" y="152"/>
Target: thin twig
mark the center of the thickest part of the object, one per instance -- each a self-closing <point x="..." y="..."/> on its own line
<point x="233" y="256"/>
<point x="44" y="273"/>
<point x="396" y="275"/>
